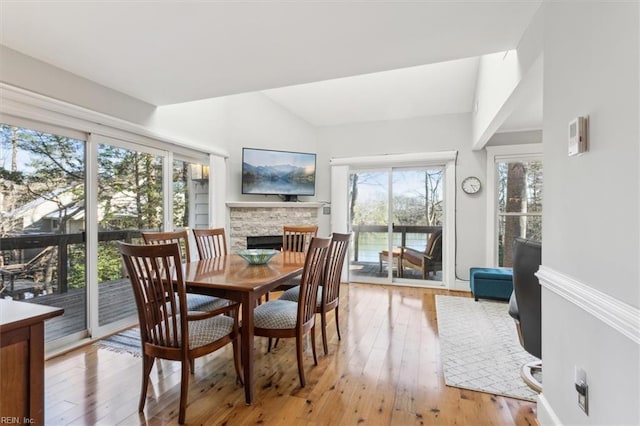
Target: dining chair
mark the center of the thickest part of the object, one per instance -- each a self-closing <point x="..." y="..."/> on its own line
<point x="211" y="243"/>
<point x="179" y="237"/>
<point x="297" y="239"/>
<point x="168" y="330"/>
<point x="195" y="302"/>
<point x="328" y="298"/>
<point x="286" y="319"/>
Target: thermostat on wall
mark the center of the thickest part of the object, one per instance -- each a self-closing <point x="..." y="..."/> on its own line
<point x="578" y="129"/>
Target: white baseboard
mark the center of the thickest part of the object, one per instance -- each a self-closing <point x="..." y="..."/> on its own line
<point x="546" y="416"/>
<point x="460" y="285"/>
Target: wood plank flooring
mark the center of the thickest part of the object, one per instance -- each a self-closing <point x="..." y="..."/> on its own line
<point x="386" y="370"/>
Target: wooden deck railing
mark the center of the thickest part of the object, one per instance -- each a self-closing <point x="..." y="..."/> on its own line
<point x="403" y="230"/>
<point x="61" y="242"/>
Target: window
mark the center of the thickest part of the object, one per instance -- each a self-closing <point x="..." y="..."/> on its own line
<point x="519" y="205"/>
<point x="190" y="195"/>
<point x="42" y="202"/>
<point x="69" y="189"/>
<point x="514" y="200"/>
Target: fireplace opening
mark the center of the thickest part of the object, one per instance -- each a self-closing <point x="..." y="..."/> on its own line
<point x="265" y="242"/>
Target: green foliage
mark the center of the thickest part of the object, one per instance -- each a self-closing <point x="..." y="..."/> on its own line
<point x="109" y="262"/>
<point x="423" y="207"/>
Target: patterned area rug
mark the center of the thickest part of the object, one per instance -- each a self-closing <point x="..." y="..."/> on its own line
<point x="479" y="347"/>
<point x="127" y="341"/>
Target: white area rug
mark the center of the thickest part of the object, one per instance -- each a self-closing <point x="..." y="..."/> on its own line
<point x="479" y="347"/>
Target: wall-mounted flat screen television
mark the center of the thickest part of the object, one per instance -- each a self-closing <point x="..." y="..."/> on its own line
<point x="284" y="173"/>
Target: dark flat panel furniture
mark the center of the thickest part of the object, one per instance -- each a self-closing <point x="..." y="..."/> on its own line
<point x="22" y="360"/>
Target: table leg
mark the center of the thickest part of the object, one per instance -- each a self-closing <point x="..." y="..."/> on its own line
<point x="246" y="346"/>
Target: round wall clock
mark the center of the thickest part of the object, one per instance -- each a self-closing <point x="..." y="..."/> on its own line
<point x="471" y="185"/>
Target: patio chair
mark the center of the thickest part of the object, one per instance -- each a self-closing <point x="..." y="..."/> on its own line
<point x="287" y="319"/>
<point x="427" y="261"/>
<point x="329" y="290"/>
<point x="37" y="264"/>
<point x="168" y="329"/>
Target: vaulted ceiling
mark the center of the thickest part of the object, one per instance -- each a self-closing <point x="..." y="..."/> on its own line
<point x="168" y="52"/>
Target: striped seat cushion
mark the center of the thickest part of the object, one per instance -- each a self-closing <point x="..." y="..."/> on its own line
<point x="293" y="294"/>
<point x="279" y="314"/>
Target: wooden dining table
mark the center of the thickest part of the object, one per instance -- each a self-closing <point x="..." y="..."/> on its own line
<point x="233" y="278"/>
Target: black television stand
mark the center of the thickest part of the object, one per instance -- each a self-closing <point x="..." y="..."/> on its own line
<point x="289" y="198"/>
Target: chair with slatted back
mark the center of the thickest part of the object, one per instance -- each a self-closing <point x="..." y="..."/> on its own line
<point x="195" y="302"/>
<point x="168" y="330"/>
<point x="211" y="243"/>
<point x="297" y="238"/>
<point x="329" y="290"/>
<point x="283" y="318"/>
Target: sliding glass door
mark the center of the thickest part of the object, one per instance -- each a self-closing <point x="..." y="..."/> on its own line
<point x="42" y="223"/>
<point x="418" y="216"/>
<point x="130" y="200"/>
<point x="397" y="218"/>
<point x="369" y="218"/>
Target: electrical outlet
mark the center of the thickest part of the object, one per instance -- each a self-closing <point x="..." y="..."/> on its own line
<point x="582" y="388"/>
<point x="326" y="210"/>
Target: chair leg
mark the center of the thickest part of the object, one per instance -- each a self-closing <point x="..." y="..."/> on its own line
<point x="338" y="322"/>
<point x="269" y="344"/>
<point x="192" y="365"/>
<point x="184" y="389"/>
<point x="313" y="344"/>
<point x="323" y="323"/>
<point x="236" y="360"/>
<point x="299" y="343"/>
<point x="147" y="365"/>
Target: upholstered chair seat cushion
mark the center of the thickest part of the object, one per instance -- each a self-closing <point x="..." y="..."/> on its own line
<point x="294" y="293"/>
<point x="279" y="314"/>
<point x="202" y="303"/>
<point x="208" y="330"/>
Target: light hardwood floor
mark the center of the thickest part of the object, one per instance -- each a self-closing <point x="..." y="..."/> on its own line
<point x="386" y="370"/>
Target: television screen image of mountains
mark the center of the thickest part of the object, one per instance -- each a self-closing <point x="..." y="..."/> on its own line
<point x="278" y="172"/>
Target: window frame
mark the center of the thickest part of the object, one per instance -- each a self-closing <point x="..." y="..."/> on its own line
<point x="27" y="109"/>
<point x="495" y="154"/>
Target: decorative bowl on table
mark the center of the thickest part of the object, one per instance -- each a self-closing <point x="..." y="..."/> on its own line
<point x="257" y="256"/>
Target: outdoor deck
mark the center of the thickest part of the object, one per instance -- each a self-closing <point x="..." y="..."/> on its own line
<point x="115" y="302"/>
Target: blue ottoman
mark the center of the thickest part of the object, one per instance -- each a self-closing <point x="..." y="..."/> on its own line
<point x="491" y="283"/>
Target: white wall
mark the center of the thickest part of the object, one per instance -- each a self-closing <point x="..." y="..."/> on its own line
<point x="427" y="134"/>
<point x="28" y="73"/>
<point x="249" y="120"/>
<point x="591" y="220"/>
<point x="502" y="80"/>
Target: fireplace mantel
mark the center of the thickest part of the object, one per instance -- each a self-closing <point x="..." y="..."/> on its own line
<point x="255" y="218"/>
<point x="274" y="204"/>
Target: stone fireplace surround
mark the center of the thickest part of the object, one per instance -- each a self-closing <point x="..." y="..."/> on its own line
<point x="266" y="218"/>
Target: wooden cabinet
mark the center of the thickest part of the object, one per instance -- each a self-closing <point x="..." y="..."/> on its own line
<point x="22" y="360"/>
